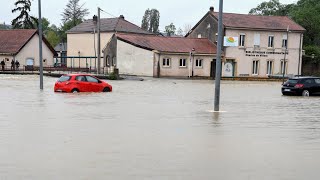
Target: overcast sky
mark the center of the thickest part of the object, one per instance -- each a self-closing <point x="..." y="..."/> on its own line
<point x="179" y="12"/>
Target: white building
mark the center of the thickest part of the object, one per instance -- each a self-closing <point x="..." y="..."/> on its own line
<point x="23" y="45"/>
<point x="263" y="45"/>
<point x="150" y="55"/>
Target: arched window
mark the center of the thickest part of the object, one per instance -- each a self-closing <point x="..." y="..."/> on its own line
<point x="108" y="61"/>
<point x="114" y="61"/>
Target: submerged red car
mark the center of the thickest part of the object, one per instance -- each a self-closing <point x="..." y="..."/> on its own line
<point x="73" y="83"/>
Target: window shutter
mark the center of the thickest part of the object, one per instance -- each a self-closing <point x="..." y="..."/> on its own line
<point x="257" y="39"/>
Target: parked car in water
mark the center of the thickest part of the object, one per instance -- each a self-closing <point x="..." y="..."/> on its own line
<point x="301" y="86"/>
<point x="73" y="83"/>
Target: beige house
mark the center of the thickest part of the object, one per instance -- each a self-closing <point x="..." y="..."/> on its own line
<point x="82" y="39"/>
<point x="157" y="56"/>
<point x="22" y="45"/>
<point x="263" y="43"/>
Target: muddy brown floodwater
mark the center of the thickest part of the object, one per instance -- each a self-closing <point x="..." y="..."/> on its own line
<point x="157" y="129"/>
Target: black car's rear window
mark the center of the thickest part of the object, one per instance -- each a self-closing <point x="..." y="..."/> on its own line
<point x="64" y="78"/>
<point x="292" y="81"/>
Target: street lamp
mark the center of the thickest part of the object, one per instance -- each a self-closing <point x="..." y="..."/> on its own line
<point x="192" y="54"/>
<point x="191" y="62"/>
<point x="40" y="46"/>
<point x="285" y="53"/>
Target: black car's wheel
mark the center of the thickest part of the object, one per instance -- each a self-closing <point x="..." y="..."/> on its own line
<point x="106" y="89"/>
<point x="75" y="90"/>
<point x="305" y="93"/>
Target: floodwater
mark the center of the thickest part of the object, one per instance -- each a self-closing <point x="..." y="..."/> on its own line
<point x="157" y="129"/>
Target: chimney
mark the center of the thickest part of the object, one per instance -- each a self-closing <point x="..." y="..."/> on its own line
<point x="121" y="17"/>
<point x="212" y="9"/>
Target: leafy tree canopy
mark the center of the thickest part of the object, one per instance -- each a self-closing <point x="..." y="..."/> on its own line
<point x="170" y="29"/>
<point x="24" y="20"/>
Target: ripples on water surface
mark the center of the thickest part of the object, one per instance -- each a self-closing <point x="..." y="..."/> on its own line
<point x="157" y="129"/>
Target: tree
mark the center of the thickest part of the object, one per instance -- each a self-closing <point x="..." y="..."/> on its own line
<point x="4" y="26"/>
<point x="146" y="20"/>
<point x="150" y="20"/>
<point x="306" y="13"/>
<point x="74" y="12"/>
<point x="63" y="29"/>
<point x="180" y="32"/>
<point x="53" y="38"/>
<point x="170" y="29"/>
<point x="24" y="19"/>
<point x="271" y="8"/>
<point x="154" y="21"/>
<point x="187" y="28"/>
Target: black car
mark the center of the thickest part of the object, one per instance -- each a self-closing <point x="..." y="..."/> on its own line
<point x="301" y="86"/>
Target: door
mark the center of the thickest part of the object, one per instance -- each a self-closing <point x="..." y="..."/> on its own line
<point x="228" y="69"/>
<point x="317" y="85"/>
<point x="94" y="85"/>
<point x="213" y="69"/>
<point x="82" y="83"/>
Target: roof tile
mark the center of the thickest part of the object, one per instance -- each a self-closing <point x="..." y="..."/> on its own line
<point x="109" y="25"/>
<point x="170" y="44"/>
<point x="11" y="41"/>
<point x="246" y="21"/>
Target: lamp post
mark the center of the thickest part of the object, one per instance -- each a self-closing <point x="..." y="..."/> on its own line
<point x="285" y="53"/>
<point x="218" y="62"/>
<point x="99" y="51"/>
<point x="192" y="55"/>
<point x="40" y="46"/>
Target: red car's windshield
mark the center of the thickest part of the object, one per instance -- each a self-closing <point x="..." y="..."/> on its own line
<point x="64" y="78"/>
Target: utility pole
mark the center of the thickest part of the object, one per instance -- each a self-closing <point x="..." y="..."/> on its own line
<point x="40" y="46"/>
<point x="284" y="60"/>
<point x="218" y="62"/>
<point x="99" y="44"/>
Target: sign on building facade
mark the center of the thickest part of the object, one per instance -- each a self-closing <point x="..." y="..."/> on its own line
<point x="231" y="41"/>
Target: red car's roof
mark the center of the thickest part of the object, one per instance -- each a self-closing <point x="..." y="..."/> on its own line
<point x="78" y="75"/>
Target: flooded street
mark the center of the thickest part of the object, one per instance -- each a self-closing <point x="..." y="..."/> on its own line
<point x="157" y="129"/>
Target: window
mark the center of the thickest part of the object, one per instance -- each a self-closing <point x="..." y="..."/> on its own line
<point x="64" y="78"/>
<point x="255" y="67"/>
<point x="271" y="42"/>
<point x="183" y="62"/>
<point x="269" y="67"/>
<point x="114" y="59"/>
<point x="80" y="78"/>
<point x="317" y="81"/>
<point x="199" y="35"/>
<point x="285" y="67"/>
<point x="108" y="61"/>
<point x="257" y="40"/>
<point x="92" y="79"/>
<point x="166" y="62"/>
<point x="199" y="63"/>
<point x="242" y="40"/>
<point x="284" y="41"/>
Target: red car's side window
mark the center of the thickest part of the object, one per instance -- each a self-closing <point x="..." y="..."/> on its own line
<point x="80" y="78"/>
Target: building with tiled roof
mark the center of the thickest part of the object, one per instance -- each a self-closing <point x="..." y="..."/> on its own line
<point x="263" y="45"/>
<point x="158" y="56"/>
<point x="82" y="39"/>
<point x="23" y="45"/>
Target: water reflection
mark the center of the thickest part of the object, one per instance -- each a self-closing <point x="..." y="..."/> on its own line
<point x="157" y="129"/>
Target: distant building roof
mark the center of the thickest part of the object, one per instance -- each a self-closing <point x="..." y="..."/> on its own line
<point x="253" y="22"/>
<point x="169" y="44"/>
<point x="109" y="25"/>
<point x="61" y="47"/>
<point x="12" y="41"/>
<point x="231" y="20"/>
